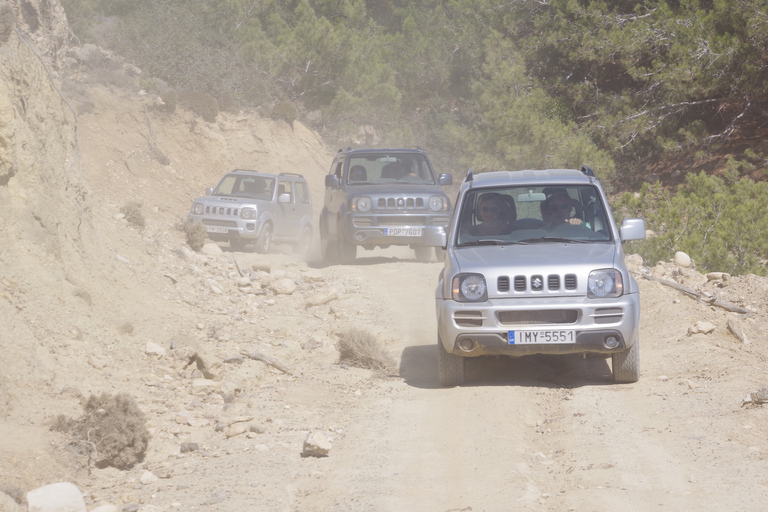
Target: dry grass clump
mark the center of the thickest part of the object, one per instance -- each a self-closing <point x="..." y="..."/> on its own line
<point x="133" y="215"/>
<point x="358" y="347"/>
<point x="111" y="432"/>
<point x="196" y="235"/>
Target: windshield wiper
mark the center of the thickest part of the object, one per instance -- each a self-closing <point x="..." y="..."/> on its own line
<point x="552" y="239"/>
<point x="484" y="242"/>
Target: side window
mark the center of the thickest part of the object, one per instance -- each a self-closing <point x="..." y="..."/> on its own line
<point x="302" y="192"/>
<point x="285" y="188"/>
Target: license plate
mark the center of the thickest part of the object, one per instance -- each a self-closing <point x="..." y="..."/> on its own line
<point x="540" y="337"/>
<point x="403" y="231"/>
<point x="216" y="229"/>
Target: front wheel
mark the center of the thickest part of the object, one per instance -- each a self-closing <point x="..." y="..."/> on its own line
<point x="450" y="367"/>
<point x="264" y="242"/>
<point x="305" y="239"/>
<point x="347" y="251"/>
<point x="626" y="364"/>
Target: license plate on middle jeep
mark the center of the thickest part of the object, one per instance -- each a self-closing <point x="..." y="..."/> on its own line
<point x="403" y="231"/>
<point x="540" y="337"/>
<point x="216" y="229"/>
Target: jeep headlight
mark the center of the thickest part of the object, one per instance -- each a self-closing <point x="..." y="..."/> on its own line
<point x="469" y="288"/>
<point x="604" y="284"/>
<point x="438" y="203"/>
<point x="197" y="209"/>
<point x="248" y="213"/>
<point x="362" y="204"/>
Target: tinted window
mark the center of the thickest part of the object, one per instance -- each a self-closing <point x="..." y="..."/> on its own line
<point x="532" y="214"/>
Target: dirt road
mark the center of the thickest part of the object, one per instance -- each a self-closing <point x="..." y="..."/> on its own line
<point x="541" y="433"/>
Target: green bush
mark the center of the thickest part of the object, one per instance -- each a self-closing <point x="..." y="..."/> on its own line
<point x="720" y="223"/>
<point x="169" y="98"/>
<point x="285" y="111"/>
<point x="201" y="104"/>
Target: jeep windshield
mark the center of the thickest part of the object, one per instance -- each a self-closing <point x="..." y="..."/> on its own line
<point x="243" y="185"/>
<point x="533" y="215"/>
<point x="386" y="168"/>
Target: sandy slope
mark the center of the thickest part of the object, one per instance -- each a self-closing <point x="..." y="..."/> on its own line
<point x="528" y="434"/>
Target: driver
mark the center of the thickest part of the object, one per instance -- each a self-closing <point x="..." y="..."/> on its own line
<point x="557" y="209"/>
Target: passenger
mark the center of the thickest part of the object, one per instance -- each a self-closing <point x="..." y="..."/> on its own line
<point x="557" y="209"/>
<point x="495" y="215"/>
<point x="358" y="173"/>
<point x="252" y="188"/>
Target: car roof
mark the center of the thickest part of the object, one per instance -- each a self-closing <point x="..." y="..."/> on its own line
<point x="267" y="174"/>
<point x="350" y="151"/>
<point x="530" y="177"/>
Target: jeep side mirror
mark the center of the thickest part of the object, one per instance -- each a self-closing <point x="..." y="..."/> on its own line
<point x="632" y="229"/>
<point x="331" y="181"/>
<point x="445" y="179"/>
<point x="285" y="197"/>
<point x="435" y="236"/>
<point x="209" y="191"/>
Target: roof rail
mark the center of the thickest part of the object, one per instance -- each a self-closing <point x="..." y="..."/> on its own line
<point x="470" y="174"/>
<point x="587" y="170"/>
<point x="291" y="174"/>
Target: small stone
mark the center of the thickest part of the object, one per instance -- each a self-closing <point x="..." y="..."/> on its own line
<point x="235" y="430"/>
<point x="681" y="259"/>
<point x="147" y="478"/>
<point x="153" y="349"/>
<point x="316" y="445"/>
<point x="187" y="447"/>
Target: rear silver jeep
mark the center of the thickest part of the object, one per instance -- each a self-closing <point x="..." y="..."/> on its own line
<point x="534" y="265"/>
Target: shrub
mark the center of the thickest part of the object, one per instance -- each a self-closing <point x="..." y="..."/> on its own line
<point x="169" y="98"/>
<point x="358" y="347"/>
<point x="111" y="432"/>
<point x="719" y="222"/>
<point x="133" y="215"/>
<point x="201" y="104"/>
<point x="196" y="235"/>
<point x="285" y="111"/>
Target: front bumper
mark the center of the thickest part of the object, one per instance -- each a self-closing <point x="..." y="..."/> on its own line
<point x="376" y="229"/>
<point x="222" y="230"/>
<point x="478" y="329"/>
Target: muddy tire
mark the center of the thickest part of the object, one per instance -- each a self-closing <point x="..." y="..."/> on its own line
<point x="264" y="242"/>
<point x="305" y="239"/>
<point x="626" y="365"/>
<point x="347" y="251"/>
<point x="450" y="368"/>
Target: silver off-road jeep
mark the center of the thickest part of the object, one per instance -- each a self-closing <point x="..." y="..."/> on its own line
<point x="381" y="197"/>
<point x="258" y="208"/>
<point x="534" y="265"/>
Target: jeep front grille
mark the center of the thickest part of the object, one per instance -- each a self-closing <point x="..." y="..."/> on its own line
<point x="521" y="283"/>
<point x="608" y="315"/>
<point x="468" y="318"/>
<point x="540" y="317"/>
<point x="391" y="203"/>
<point x="222" y="210"/>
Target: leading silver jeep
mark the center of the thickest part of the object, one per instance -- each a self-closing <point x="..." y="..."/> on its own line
<point x="534" y="265"/>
